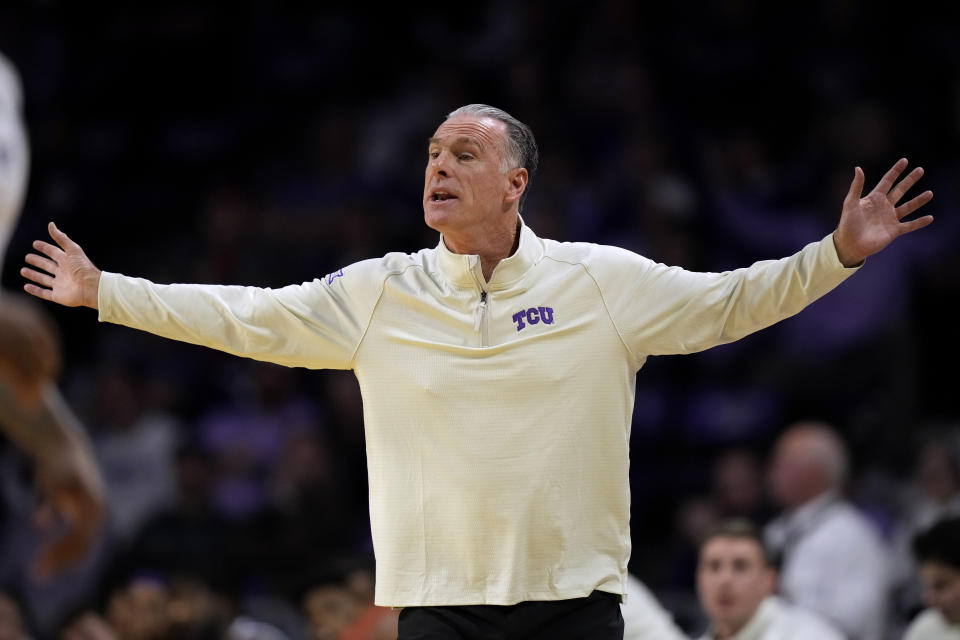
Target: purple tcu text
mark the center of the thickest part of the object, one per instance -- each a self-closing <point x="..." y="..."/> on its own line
<point x="533" y="315"/>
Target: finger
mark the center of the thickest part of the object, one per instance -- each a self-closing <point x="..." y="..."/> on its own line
<point x="39" y="292"/>
<point x="890" y="176"/>
<point x="904" y="185"/>
<point x="62" y="239"/>
<point x="856" y="187"/>
<point x="912" y="205"/>
<point x="47" y="249"/>
<point x="913" y="225"/>
<point x="46" y="264"/>
<point x="40" y="278"/>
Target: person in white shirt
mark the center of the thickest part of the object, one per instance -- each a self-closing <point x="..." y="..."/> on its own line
<point x="933" y="495"/>
<point x="938" y="553"/>
<point x="497" y="372"/>
<point x="736" y="584"/>
<point x="833" y="561"/>
<point x="644" y="618"/>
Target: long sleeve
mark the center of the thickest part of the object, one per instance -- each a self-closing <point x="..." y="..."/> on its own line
<point x="316" y="324"/>
<point x="662" y="310"/>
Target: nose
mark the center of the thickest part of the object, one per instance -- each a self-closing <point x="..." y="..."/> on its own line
<point x="438" y="165"/>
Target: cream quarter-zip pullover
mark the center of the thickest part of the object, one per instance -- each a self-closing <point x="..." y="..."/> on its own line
<point x="498" y="413"/>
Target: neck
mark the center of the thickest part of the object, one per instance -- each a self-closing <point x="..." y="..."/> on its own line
<point x="726" y="630"/>
<point x="491" y="244"/>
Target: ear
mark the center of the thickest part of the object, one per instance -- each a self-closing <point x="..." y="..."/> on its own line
<point x="517" y="180"/>
<point x="770" y="579"/>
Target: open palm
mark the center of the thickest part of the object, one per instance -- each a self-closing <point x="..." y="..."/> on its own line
<point x="870" y="223"/>
<point x="68" y="277"/>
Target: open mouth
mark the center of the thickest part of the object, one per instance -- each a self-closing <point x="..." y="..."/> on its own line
<point x="441" y="196"/>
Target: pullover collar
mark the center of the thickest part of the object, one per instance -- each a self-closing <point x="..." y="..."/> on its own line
<point x="464" y="270"/>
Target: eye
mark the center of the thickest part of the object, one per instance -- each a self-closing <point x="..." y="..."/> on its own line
<point x="433" y="154"/>
<point x="465" y="156"/>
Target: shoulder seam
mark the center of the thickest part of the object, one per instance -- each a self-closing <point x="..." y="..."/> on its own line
<point x="603" y="299"/>
<point x="373" y="310"/>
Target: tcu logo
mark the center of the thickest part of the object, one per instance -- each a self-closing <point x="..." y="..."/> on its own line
<point x="332" y="276"/>
<point x="533" y="315"/>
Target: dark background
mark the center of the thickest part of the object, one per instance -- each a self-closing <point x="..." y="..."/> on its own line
<point x="269" y="143"/>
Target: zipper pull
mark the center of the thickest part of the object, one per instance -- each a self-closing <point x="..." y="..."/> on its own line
<point x="478" y="316"/>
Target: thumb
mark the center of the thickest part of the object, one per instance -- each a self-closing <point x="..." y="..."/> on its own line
<point x="856" y="187"/>
<point x="60" y="237"/>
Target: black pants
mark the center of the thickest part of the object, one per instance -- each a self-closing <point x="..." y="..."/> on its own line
<point x="596" y="617"/>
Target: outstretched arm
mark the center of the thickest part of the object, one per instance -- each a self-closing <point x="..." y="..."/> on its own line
<point x="869" y="223"/>
<point x="317" y="324"/>
<point x="669" y="310"/>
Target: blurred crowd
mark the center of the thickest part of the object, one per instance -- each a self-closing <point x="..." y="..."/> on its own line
<point x="260" y="145"/>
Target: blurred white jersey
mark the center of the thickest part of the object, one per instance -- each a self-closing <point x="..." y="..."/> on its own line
<point x="777" y="620"/>
<point x="643" y="616"/>
<point x="14" y="153"/>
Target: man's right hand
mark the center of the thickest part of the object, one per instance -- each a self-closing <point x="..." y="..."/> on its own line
<point x="70" y="278"/>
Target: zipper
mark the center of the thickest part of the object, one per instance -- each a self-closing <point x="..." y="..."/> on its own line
<point x="480" y="320"/>
<point x="480" y="316"/>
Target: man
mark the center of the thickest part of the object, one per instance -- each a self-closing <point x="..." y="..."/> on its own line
<point x="497" y="372"/>
<point x="938" y="553"/>
<point x="736" y="582"/>
<point x="33" y="415"/>
<point x="644" y="618"/>
<point x="834" y="563"/>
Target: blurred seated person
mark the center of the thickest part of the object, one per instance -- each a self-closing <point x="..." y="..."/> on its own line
<point x="644" y="618"/>
<point x="833" y="562"/>
<point x="938" y="553"/>
<point x="339" y="605"/>
<point x="933" y="496"/>
<point x="737" y="489"/>
<point x="736" y="583"/>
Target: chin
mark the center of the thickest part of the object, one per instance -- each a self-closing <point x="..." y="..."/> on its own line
<point x="437" y="220"/>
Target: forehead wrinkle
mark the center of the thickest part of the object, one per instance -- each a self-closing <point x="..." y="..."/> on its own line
<point x="460" y="140"/>
<point x="484" y="132"/>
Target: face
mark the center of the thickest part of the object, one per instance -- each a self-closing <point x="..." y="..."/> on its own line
<point x="467" y="183"/>
<point x="794" y="476"/>
<point x="737" y="482"/>
<point x="330" y="610"/>
<point x="139" y="612"/>
<point x="732" y="581"/>
<point x="941" y="589"/>
<point x="936" y="474"/>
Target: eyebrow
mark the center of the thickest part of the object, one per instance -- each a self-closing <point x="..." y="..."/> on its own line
<point x="460" y="140"/>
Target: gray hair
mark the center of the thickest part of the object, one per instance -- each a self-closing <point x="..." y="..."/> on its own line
<point x="521" y="148"/>
<point x="826" y="450"/>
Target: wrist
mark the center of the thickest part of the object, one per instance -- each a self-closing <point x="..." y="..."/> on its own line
<point x="92" y="290"/>
<point x="847" y="256"/>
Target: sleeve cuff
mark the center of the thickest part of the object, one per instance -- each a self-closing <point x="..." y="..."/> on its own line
<point x="835" y="257"/>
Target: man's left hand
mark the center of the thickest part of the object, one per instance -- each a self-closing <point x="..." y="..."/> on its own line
<point x="869" y="223"/>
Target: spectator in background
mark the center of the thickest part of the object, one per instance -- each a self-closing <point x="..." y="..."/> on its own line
<point x="738" y="487"/>
<point x="136" y="447"/>
<point x="248" y="434"/>
<point x="189" y="535"/>
<point x="736" y="582"/>
<point x="339" y="606"/>
<point x="643" y="616"/>
<point x="833" y="561"/>
<point x="938" y="553"/>
<point x="934" y="496"/>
